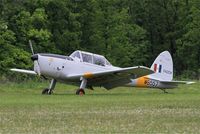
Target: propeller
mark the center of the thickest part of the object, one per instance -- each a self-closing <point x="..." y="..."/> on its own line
<point x="34" y="57"/>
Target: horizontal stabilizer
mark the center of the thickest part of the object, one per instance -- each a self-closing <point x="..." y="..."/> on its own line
<point x="24" y="71"/>
<point x="178" y="82"/>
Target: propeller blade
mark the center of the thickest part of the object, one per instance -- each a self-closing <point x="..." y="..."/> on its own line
<point x="31" y="46"/>
<point x="37" y="67"/>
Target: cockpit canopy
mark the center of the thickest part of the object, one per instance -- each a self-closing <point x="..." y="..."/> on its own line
<point x="90" y="58"/>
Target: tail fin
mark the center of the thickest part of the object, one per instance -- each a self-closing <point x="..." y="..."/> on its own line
<point x="163" y="67"/>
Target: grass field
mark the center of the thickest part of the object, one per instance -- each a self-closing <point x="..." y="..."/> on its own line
<point x="123" y="110"/>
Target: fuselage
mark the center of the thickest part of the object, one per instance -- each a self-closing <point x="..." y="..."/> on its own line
<point x="60" y="67"/>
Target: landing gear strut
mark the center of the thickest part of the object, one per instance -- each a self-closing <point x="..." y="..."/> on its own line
<point x="49" y="90"/>
<point x="81" y="91"/>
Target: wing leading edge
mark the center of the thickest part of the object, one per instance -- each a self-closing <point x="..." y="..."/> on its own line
<point x="138" y="70"/>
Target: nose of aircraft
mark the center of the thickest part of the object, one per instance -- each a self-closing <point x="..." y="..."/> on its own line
<point x="34" y="57"/>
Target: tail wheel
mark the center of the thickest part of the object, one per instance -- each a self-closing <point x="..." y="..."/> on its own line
<point x="80" y="92"/>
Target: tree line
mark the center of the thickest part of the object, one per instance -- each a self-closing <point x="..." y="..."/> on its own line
<point x="127" y="32"/>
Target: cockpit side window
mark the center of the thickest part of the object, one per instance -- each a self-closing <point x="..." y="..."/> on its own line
<point x="87" y="58"/>
<point x="108" y="63"/>
<point x="69" y="58"/>
<point x="99" y="60"/>
<point x="76" y="55"/>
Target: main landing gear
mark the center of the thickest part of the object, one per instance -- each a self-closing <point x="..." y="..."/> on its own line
<point x="49" y="90"/>
<point x="81" y="91"/>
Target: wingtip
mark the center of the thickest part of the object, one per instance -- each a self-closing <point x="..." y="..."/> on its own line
<point x="13" y="69"/>
<point x="190" y="82"/>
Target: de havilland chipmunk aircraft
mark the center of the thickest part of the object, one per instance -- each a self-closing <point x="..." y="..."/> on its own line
<point x="83" y="68"/>
<point x="163" y="76"/>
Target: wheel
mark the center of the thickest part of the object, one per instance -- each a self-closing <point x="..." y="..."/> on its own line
<point x="80" y="92"/>
<point x="47" y="91"/>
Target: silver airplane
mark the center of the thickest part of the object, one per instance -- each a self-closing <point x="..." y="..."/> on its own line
<point x="163" y="76"/>
<point x="82" y="68"/>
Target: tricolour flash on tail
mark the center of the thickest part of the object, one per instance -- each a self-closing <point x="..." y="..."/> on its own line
<point x="163" y="67"/>
<point x="157" y="68"/>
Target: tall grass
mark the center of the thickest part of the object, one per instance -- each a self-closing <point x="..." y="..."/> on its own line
<point x="123" y="110"/>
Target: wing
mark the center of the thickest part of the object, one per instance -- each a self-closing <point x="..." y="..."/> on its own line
<point x="24" y="71"/>
<point x="113" y="78"/>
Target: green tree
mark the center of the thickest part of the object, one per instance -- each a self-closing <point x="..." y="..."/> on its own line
<point x="107" y="30"/>
<point x="21" y="24"/>
<point x="10" y="55"/>
<point x="39" y="32"/>
<point x="188" y="45"/>
<point x="64" y="25"/>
